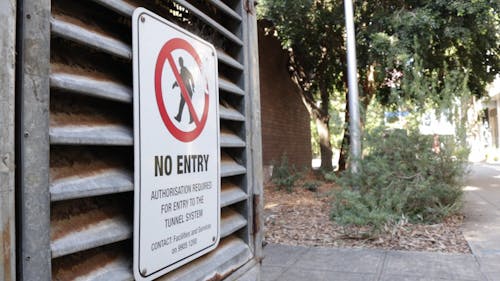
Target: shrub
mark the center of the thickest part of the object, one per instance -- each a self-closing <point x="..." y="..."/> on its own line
<point x="284" y="175"/>
<point x="401" y="177"/>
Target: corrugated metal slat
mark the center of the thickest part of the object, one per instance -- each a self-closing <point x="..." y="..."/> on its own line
<point x="223" y="7"/>
<point x="118" y="6"/>
<point x="92" y="87"/>
<point x="85" y="36"/>
<point x="114" y="135"/>
<point x="229" y="167"/>
<point x="110" y="181"/>
<point x="119" y="228"/>
<point x="228" y="86"/>
<point x="115" y="181"/>
<point x="114" y="266"/>
<point x="104" y="232"/>
<point x="229" y="113"/>
<point x="230" y="139"/>
<point x="91" y="135"/>
<point x="118" y="268"/>
<point x="230" y="194"/>
<point x="90" y="38"/>
<point x="227" y="59"/>
<point x="231" y="221"/>
<point x="126" y="9"/>
<point x="228" y="34"/>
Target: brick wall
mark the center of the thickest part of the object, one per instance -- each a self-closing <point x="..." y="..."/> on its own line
<point x="285" y="120"/>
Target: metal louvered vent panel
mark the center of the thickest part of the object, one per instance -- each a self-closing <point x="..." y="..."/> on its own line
<point x="91" y="136"/>
<point x="114" y="263"/>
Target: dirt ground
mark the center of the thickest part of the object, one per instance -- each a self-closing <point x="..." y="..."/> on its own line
<point x="302" y="218"/>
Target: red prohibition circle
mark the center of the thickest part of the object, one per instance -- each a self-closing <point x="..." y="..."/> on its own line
<point x="164" y="56"/>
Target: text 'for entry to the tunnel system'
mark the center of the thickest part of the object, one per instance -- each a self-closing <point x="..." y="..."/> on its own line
<point x="176" y="143"/>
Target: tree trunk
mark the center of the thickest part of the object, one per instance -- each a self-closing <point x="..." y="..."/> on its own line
<point x="366" y="96"/>
<point x="322" y="124"/>
<point x="344" y="148"/>
<point x="324" y="143"/>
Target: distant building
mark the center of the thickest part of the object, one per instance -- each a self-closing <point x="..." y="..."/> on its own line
<point x="493" y="108"/>
<point x="286" y="128"/>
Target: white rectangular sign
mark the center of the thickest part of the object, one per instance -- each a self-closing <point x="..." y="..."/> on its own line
<point x="177" y="156"/>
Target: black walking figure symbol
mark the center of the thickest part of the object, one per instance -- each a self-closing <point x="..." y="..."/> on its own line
<point x="187" y="79"/>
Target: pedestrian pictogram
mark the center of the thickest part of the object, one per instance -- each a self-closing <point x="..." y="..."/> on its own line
<point x="187" y="80"/>
<point x="176" y="146"/>
<point x="186" y="84"/>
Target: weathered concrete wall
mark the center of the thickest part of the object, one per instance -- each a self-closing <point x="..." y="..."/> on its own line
<point x="285" y="120"/>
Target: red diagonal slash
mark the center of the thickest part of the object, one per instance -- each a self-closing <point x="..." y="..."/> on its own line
<point x="166" y="54"/>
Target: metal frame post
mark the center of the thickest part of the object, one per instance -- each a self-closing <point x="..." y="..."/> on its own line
<point x="254" y="135"/>
<point x="33" y="92"/>
<point x="7" y="153"/>
<point x="354" y="121"/>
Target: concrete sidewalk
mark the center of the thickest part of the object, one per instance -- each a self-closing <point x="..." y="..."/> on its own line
<point x="291" y="263"/>
<point x="481" y="229"/>
<point x="482" y="211"/>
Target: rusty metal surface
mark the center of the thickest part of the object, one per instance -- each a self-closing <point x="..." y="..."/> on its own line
<point x="112" y="262"/>
<point x="7" y="80"/>
<point x="83" y="224"/>
<point x="74" y="162"/>
<point x="249" y="272"/>
<point x="231" y="254"/>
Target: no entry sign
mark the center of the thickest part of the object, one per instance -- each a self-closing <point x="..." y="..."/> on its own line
<point x="176" y="143"/>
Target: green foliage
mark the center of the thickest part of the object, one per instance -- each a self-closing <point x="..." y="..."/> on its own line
<point x="431" y="44"/>
<point x="427" y="52"/>
<point x="285" y="175"/>
<point x="313" y="33"/>
<point x="401" y="177"/>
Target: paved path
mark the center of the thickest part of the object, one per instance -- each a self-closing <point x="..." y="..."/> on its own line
<point x="482" y="223"/>
<point x="482" y="231"/>
<point x="290" y="263"/>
